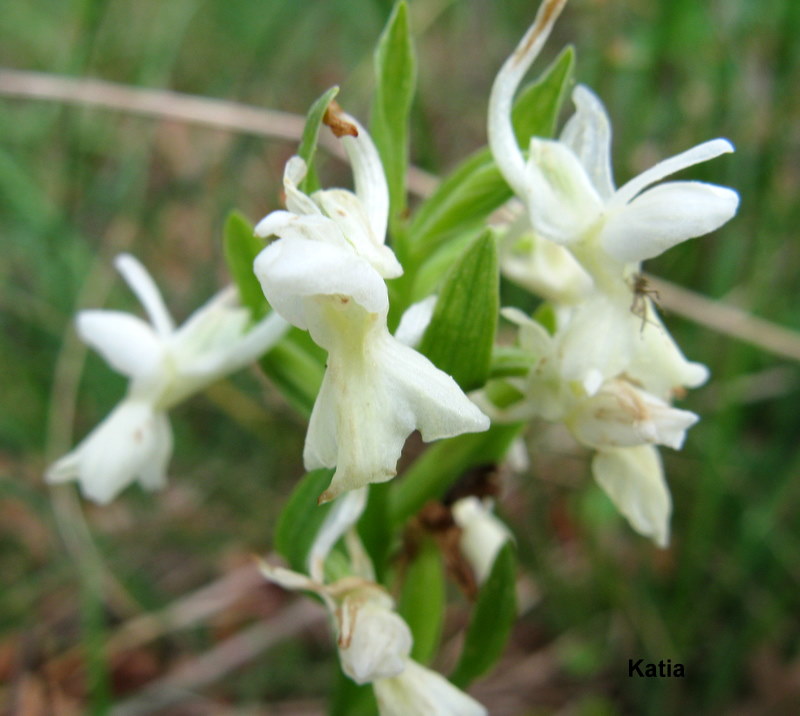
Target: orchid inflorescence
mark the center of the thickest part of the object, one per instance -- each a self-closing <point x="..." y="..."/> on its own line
<point x="594" y="356"/>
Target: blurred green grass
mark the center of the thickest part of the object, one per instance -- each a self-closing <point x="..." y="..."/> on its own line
<point x="79" y="184"/>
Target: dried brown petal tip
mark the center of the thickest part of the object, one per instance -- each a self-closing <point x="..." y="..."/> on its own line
<point x="339" y="126"/>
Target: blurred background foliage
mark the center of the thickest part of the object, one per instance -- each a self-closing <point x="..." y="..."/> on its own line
<point x="79" y="184"/>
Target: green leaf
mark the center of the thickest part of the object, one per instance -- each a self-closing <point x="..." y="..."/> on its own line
<point x="442" y="464"/>
<point x="296" y="366"/>
<point x="301" y="519"/>
<point x="422" y="600"/>
<point x="241" y="248"/>
<point x="465" y="198"/>
<point x="350" y="698"/>
<point x="460" y="336"/>
<point x="429" y="275"/>
<point x="308" y="143"/>
<point x="538" y="105"/>
<point x="374" y="528"/>
<point x="492" y="618"/>
<point x="395" y="71"/>
<point x="476" y="188"/>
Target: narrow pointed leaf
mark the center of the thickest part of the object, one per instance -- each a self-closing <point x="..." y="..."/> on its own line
<point x="241" y="248"/>
<point x="296" y="367"/>
<point x="308" y="143"/>
<point x="538" y="105"/>
<point x="422" y="600"/>
<point x="350" y="698"/>
<point x="491" y="621"/>
<point x="301" y="519"/>
<point x="430" y="274"/>
<point x="463" y="200"/>
<point x="395" y="70"/>
<point x="374" y="528"/>
<point x="460" y="336"/>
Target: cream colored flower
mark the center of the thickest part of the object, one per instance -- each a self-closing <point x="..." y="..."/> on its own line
<point x="326" y="274"/>
<point x="567" y="183"/>
<point x="164" y="365"/>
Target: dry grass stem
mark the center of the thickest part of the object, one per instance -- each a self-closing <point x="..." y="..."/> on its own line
<point x="165" y="104"/>
<point x="236" y="651"/>
<point x="727" y="319"/>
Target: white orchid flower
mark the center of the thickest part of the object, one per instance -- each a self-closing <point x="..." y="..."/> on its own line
<point x="164" y="364"/>
<point x="600" y="412"/>
<point x="325" y="274"/>
<point x="618" y="419"/>
<point x="482" y="534"/>
<point x="567" y="183"/>
<point x="373" y="641"/>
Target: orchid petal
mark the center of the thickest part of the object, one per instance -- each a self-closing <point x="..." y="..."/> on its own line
<point x="422" y="692"/>
<point x="414" y="321"/>
<point x="375" y="392"/>
<point x="126" y="342"/>
<point x="664" y="216"/>
<point x="596" y="343"/>
<point x="296" y="226"/>
<point x="502" y="139"/>
<point x="633" y="478"/>
<point x="620" y="415"/>
<point x="696" y="155"/>
<point x="289" y="579"/>
<point x="293" y="270"/>
<point x="588" y="134"/>
<point x="296" y="201"/>
<point x="533" y="337"/>
<point x="153" y="473"/>
<point x="482" y="534"/>
<point x="216" y="345"/>
<point x="343" y="515"/>
<point x="374" y="641"/>
<point x="658" y="364"/>
<point x="132" y="442"/>
<point x="562" y="202"/>
<point x="369" y="178"/>
<point x="142" y="284"/>
<point x="350" y="215"/>
<point x="545" y="268"/>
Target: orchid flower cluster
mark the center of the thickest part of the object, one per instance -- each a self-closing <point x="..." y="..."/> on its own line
<point x="408" y="330"/>
<point x="610" y="369"/>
